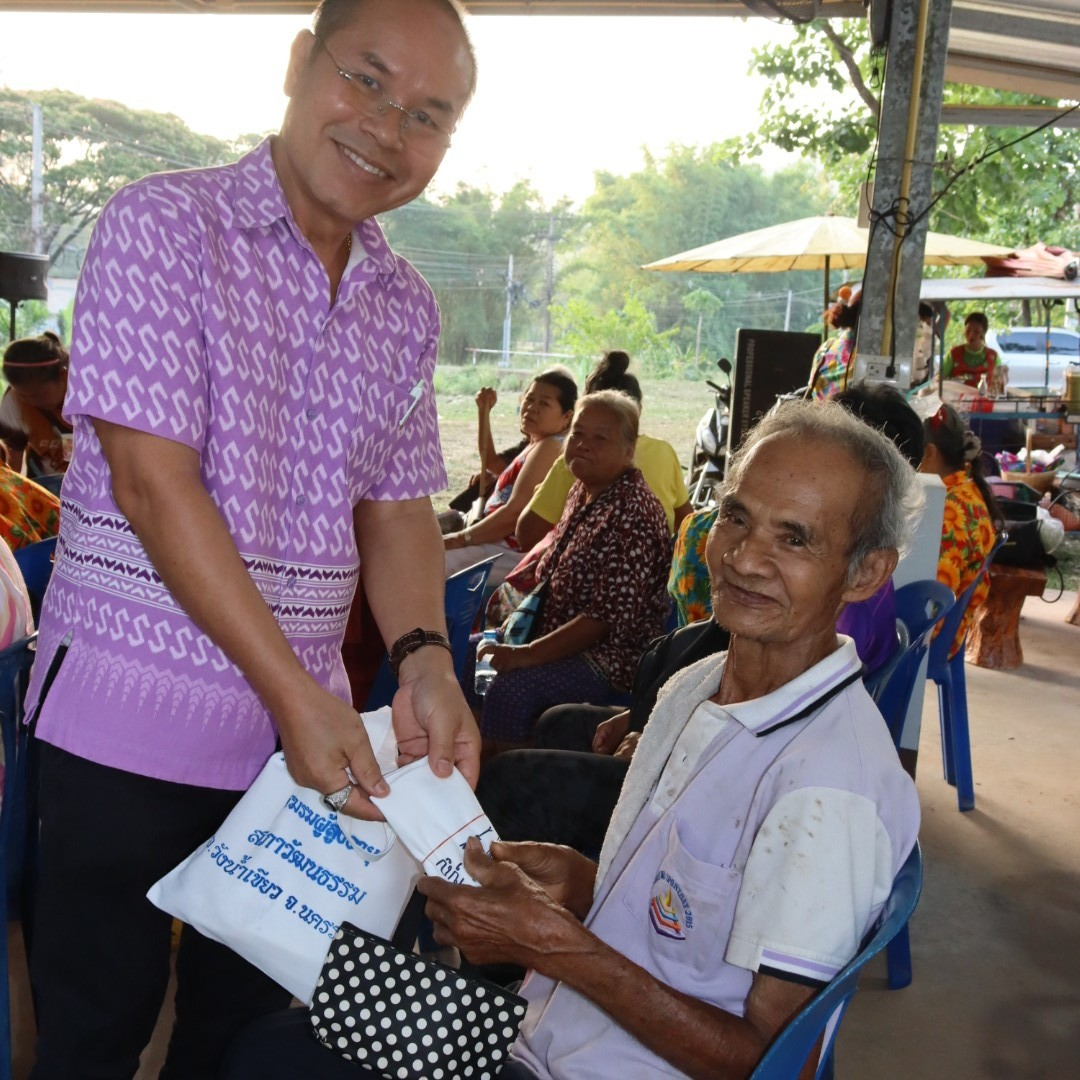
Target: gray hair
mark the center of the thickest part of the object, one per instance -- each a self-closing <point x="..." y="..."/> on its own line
<point x="625" y="408"/>
<point x="893" y="501"/>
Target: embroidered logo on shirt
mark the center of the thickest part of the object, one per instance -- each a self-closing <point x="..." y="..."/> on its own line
<point x="669" y="910"/>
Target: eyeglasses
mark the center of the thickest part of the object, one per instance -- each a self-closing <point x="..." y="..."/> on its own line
<point x="418" y="128"/>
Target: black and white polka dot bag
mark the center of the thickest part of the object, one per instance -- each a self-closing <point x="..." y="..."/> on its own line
<point x="408" y="1018"/>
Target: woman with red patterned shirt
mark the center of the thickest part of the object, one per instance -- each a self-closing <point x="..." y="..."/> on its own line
<point x="605" y="571"/>
<point x="951" y="451"/>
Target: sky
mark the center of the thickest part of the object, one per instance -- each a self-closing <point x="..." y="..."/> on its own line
<point x="557" y="98"/>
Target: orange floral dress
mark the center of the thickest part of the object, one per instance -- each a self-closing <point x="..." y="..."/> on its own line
<point x="967" y="535"/>
<point x="688" y="582"/>
<point x="28" y="512"/>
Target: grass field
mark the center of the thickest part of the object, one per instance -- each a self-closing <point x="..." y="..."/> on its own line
<point x="672" y="409"/>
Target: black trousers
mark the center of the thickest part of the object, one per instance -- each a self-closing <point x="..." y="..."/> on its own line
<point x="99" y="965"/>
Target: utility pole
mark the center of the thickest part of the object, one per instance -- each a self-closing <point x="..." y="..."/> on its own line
<point x="37" y="184"/>
<point x="506" y="319"/>
<point x="549" y="285"/>
<point x="910" y="112"/>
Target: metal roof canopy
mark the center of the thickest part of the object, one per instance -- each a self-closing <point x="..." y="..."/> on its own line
<point x="1027" y="46"/>
<point x="999" y="288"/>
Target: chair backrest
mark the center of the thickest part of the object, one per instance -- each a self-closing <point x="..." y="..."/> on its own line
<point x="463" y="599"/>
<point x="36" y="563"/>
<point x="789" y="1050"/>
<point x="920" y="605"/>
<point x="876" y="681"/>
<point x="941" y="645"/>
<point x="464" y="595"/>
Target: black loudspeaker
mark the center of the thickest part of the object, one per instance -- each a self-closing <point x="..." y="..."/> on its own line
<point x="768" y="363"/>
<point x="22" y="277"/>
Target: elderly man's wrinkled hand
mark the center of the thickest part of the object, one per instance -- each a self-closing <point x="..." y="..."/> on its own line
<point x="506" y="918"/>
<point x="609" y="733"/>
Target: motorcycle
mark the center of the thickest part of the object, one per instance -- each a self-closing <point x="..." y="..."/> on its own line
<point x="709" y="453"/>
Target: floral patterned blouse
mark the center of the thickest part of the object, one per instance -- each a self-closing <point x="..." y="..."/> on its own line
<point x="832" y="362"/>
<point x="613" y="567"/>
<point x="967" y="535"/>
<point x="28" y="512"/>
<point x="688" y="582"/>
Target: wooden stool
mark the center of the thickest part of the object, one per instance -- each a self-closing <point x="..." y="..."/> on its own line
<point x="994" y="640"/>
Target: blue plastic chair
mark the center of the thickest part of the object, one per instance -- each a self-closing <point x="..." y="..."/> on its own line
<point x="464" y="598"/>
<point x="875" y="682"/>
<point x="36" y="563"/>
<point x="789" y="1050"/>
<point x="919" y="607"/>
<point x="951" y="682"/>
<point x="17" y="818"/>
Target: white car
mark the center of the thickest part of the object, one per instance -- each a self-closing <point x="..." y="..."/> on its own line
<point x="1024" y="350"/>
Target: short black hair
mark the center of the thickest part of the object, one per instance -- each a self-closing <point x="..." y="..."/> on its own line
<point x="883" y="407"/>
<point x="331" y="15"/>
<point x="978" y="318"/>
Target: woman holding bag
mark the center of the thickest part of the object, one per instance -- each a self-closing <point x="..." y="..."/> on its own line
<point x="603" y="578"/>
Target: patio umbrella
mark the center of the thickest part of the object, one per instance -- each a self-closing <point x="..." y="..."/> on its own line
<point x="814" y="243"/>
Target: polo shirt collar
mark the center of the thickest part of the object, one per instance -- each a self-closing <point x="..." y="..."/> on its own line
<point x="259" y="201"/>
<point x="801" y="697"/>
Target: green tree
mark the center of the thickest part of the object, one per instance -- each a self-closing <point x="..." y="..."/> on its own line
<point x="462" y="244"/>
<point x="822" y="100"/>
<point x="90" y="149"/>
<point x="588" y="332"/>
<point x="689" y="198"/>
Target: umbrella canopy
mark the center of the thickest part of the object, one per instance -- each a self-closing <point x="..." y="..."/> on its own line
<point x="814" y="243"/>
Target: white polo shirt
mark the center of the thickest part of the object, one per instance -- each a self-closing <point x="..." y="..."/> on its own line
<point x="768" y="842"/>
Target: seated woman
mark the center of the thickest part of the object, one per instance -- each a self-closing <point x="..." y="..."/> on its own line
<point x="834" y="362"/>
<point x="605" y="574"/>
<point x="30" y="411"/>
<point x="656" y="459"/>
<point x="545" y="415"/>
<point x="967" y="532"/>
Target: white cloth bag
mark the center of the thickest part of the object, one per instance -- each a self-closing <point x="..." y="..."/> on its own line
<point x="282" y="872"/>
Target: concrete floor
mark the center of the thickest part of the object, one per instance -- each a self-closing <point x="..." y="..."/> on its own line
<point x="996" y="938"/>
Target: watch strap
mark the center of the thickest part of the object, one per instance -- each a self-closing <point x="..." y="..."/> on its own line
<point x="413" y="640"/>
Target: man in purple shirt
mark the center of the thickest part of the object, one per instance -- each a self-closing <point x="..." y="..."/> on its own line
<point x="255" y="424"/>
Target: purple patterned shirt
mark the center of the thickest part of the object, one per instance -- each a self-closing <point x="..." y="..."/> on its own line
<point x="204" y="316"/>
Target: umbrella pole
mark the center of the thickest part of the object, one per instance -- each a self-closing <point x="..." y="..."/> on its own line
<point x="826" y="303"/>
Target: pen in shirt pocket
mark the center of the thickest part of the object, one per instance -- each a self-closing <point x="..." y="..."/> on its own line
<point x="416" y="393"/>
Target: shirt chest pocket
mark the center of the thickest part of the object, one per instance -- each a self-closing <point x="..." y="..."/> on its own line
<point x="388" y="416"/>
<point x="685" y="913"/>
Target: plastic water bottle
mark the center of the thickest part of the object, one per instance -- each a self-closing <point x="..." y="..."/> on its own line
<point x="485" y="673"/>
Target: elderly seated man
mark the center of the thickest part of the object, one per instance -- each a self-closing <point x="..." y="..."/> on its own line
<point x="764" y="815"/>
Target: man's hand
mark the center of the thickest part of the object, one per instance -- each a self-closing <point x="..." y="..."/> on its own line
<point x="432" y="717"/>
<point x="506" y="918"/>
<point x="627" y="747"/>
<point x="326" y="747"/>
<point x="609" y="733"/>
<point x="566" y="875"/>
